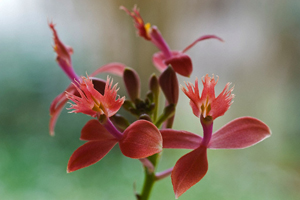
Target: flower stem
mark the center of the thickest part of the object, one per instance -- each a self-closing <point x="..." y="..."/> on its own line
<point x="110" y="127"/>
<point x="163" y="174"/>
<point x="149" y="179"/>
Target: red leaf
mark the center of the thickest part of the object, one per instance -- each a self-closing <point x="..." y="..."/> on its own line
<point x="240" y="133"/>
<point x="89" y="153"/>
<point x="189" y="170"/>
<point x="141" y="139"/>
<point x="180" y="139"/>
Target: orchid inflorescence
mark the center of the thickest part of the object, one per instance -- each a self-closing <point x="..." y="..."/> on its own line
<point x="145" y="138"/>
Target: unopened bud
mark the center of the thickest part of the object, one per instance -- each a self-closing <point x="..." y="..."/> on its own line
<point x="154" y="85"/>
<point x="132" y="83"/>
<point x="169" y="84"/>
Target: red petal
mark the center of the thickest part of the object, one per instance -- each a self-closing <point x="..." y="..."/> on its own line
<point x="205" y="37"/>
<point x="55" y="115"/>
<point x="192" y="92"/>
<point x="189" y="170"/>
<point x="180" y="139"/>
<point x="222" y="103"/>
<point x="89" y="153"/>
<point x="56" y="107"/>
<point x="240" y="133"/>
<point x="93" y="130"/>
<point x="141" y="139"/>
<point x="208" y="91"/>
<point x="181" y="63"/>
<point x="62" y="51"/>
<point x="111" y="101"/>
<point x="159" y="61"/>
<point x="114" y="68"/>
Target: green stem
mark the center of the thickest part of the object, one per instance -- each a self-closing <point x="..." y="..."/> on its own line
<point x="149" y="179"/>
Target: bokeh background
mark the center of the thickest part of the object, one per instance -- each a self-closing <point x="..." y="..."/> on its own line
<point x="260" y="56"/>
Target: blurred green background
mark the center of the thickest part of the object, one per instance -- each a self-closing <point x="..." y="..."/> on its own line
<point x="260" y="56"/>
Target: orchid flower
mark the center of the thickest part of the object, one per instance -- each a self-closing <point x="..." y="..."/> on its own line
<point x="140" y="140"/>
<point x="240" y="133"/>
<point x="64" y="61"/>
<point x="181" y="62"/>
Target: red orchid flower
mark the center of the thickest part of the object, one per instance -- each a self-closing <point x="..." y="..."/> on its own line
<point x="240" y="133"/>
<point x="93" y="103"/>
<point x="181" y="62"/>
<point x="64" y="61"/>
<point x="140" y="140"/>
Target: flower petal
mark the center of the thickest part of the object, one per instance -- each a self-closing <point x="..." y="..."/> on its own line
<point x="192" y="92"/>
<point x="181" y="63"/>
<point x="111" y="101"/>
<point x="189" y="170"/>
<point x="240" y="133"/>
<point x="222" y="103"/>
<point x="159" y="61"/>
<point x="62" y="51"/>
<point x="141" y="139"/>
<point x="93" y="130"/>
<point x="57" y="105"/>
<point x="113" y="68"/>
<point x="180" y="139"/>
<point x="89" y="153"/>
<point x="55" y="114"/>
<point x="208" y="91"/>
<point x="142" y="30"/>
<point x="205" y="37"/>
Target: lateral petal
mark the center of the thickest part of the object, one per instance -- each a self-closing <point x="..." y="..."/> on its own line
<point x="240" y="133"/>
<point x="189" y="170"/>
<point x="181" y="63"/>
<point x="55" y="114"/>
<point x="205" y="37"/>
<point x="158" y="60"/>
<point x="89" y="153"/>
<point x="180" y="139"/>
<point x="56" y="107"/>
<point x="113" y="68"/>
<point x="141" y="139"/>
<point x="93" y="130"/>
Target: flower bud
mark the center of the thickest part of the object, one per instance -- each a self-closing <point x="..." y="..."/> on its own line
<point x="169" y="84"/>
<point x="154" y="85"/>
<point x="132" y="83"/>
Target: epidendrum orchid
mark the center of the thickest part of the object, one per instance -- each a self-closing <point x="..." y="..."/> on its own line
<point x="180" y="62"/>
<point x="237" y="134"/>
<point x="140" y="140"/>
<point x="65" y="62"/>
<point x="145" y="138"/>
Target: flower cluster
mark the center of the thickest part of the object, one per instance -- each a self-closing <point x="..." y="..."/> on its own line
<point x="152" y="131"/>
